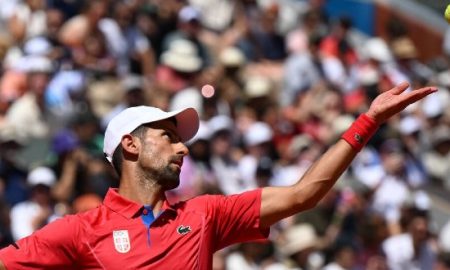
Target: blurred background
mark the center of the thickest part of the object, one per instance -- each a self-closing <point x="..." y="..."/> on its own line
<point x="287" y="76"/>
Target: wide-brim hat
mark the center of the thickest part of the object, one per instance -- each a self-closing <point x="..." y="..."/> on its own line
<point x="182" y="56"/>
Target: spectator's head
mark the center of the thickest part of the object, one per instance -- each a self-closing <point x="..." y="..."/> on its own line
<point x="221" y="134"/>
<point x="134" y="91"/>
<point x="86" y="202"/>
<point x="189" y="20"/>
<point x="40" y="181"/>
<point x="393" y="156"/>
<point x="55" y="19"/>
<point x="85" y="125"/>
<point x="182" y="56"/>
<point x="199" y="145"/>
<point x="122" y="14"/>
<point x="301" y="241"/>
<point x="404" y="49"/>
<point x="95" y="10"/>
<point x="232" y="58"/>
<point x="37" y="46"/>
<point x="258" y="138"/>
<point x="39" y="71"/>
<point x="416" y="222"/>
<point x="377" y="51"/>
<point x="440" y="140"/>
<point x="344" y="254"/>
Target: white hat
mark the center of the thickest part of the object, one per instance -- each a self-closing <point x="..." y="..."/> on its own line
<point x="298" y="238"/>
<point x="232" y="57"/>
<point x="188" y="97"/>
<point x="257" y="86"/>
<point x="220" y="122"/>
<point x="41" y="176"/>
<point x="182" y="56"/>
<point x="189" y="13"/>
<point x="433" y="106"/>
<point x="37" y="46"/>
<point x="258" y="132"/>
<point x="203" y="133"/>
<point x="131" y="118"/>
<point x="377" y="49"/>
<point x="409" y="125"/>
<point x="131" y="82"/>
<point x="35" y="63"/>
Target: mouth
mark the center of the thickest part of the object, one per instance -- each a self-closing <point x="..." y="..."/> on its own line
<point x="179" y="163"/>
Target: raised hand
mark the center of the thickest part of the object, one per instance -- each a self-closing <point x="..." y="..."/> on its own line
<point x="393" y="101"/>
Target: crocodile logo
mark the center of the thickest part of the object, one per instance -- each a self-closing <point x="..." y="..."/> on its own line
<point x="183" y="229"/>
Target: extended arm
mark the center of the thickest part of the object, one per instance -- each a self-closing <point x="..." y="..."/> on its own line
<point x="280" y="202"/>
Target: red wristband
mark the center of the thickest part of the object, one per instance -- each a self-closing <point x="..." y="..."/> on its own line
<point x="359" y="133"/>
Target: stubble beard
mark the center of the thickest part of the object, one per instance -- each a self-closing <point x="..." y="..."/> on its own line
<point x="164" y="176"/>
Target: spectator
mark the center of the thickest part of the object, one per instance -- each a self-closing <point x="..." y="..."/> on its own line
<point x="30" y="215"/>
<point x="412" y="249"/>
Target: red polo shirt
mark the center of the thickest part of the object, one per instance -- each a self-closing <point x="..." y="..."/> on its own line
<point x="115" y="236"/>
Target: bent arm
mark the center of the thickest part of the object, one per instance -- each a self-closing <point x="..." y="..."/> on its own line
<point x="280" y="202"/>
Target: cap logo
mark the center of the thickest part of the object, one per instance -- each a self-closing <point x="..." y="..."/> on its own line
<point x="121" y="241"/>
<point x="183" y="229"/>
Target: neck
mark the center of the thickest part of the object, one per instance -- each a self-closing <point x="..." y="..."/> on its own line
<point x="142" y="191"/>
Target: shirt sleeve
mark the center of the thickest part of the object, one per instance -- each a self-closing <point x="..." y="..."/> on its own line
<point x="237" y="218"/>
<point x="52" y="247"/>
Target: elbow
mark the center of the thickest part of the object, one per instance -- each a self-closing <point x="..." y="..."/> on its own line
<point x="308" y="198"/>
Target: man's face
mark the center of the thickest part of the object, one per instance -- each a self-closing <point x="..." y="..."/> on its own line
<point x="161" y="154"/>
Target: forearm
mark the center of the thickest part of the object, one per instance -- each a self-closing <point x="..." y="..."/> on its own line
<point x="63" y="189"/>
<point x="322" y="175"/>
<point x="281" y="202"/>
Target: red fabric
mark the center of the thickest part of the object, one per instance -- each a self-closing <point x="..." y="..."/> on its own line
<point x="360" y="132"/>
<point x="183" y="236"/>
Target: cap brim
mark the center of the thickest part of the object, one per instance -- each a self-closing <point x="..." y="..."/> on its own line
<point x="187" y="123"/>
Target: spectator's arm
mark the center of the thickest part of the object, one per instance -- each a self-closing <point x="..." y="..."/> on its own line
<point x="280" y="202"/>
<point x="64" y="187"/>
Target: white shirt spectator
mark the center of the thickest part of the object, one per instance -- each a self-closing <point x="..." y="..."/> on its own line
<point x="22" y="215"/>
<point x="385" y="203"/>
<point x="400" y="255"/>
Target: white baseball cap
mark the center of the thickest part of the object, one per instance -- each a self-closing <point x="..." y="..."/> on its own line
<point x="41" y="176"/>
<point x="131" y="118"/>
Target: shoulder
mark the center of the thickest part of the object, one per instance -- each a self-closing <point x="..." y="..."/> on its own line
<point x="219" y="200"/>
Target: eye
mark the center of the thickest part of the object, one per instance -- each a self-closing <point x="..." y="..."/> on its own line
<point x="171" y="137"/>
<point x="167" y="135"/>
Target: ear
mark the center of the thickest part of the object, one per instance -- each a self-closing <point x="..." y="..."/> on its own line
<point x="130" y="144"/>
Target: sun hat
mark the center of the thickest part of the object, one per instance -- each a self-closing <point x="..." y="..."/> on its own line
<point x="182" y="56"/>
<point x="131" y="118"/>
<point x="377" y="49"/>
<point x="298" y="238"/>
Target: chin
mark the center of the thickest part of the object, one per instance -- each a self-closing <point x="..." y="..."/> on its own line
<point x="171" y="185"/>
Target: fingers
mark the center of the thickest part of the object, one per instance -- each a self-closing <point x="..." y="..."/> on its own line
<point x="419" y="94"/>
<point x="400" y="88"/>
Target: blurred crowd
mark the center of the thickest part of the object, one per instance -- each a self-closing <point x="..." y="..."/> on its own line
<point x="283" y="81"/>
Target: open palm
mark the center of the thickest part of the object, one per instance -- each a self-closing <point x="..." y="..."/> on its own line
<point x="394" y="100"/>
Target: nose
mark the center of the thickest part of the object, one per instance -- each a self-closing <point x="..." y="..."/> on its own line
<point x="182" y="149"/>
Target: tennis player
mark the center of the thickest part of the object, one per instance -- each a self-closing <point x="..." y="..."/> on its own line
<point x="136" y="228"/>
